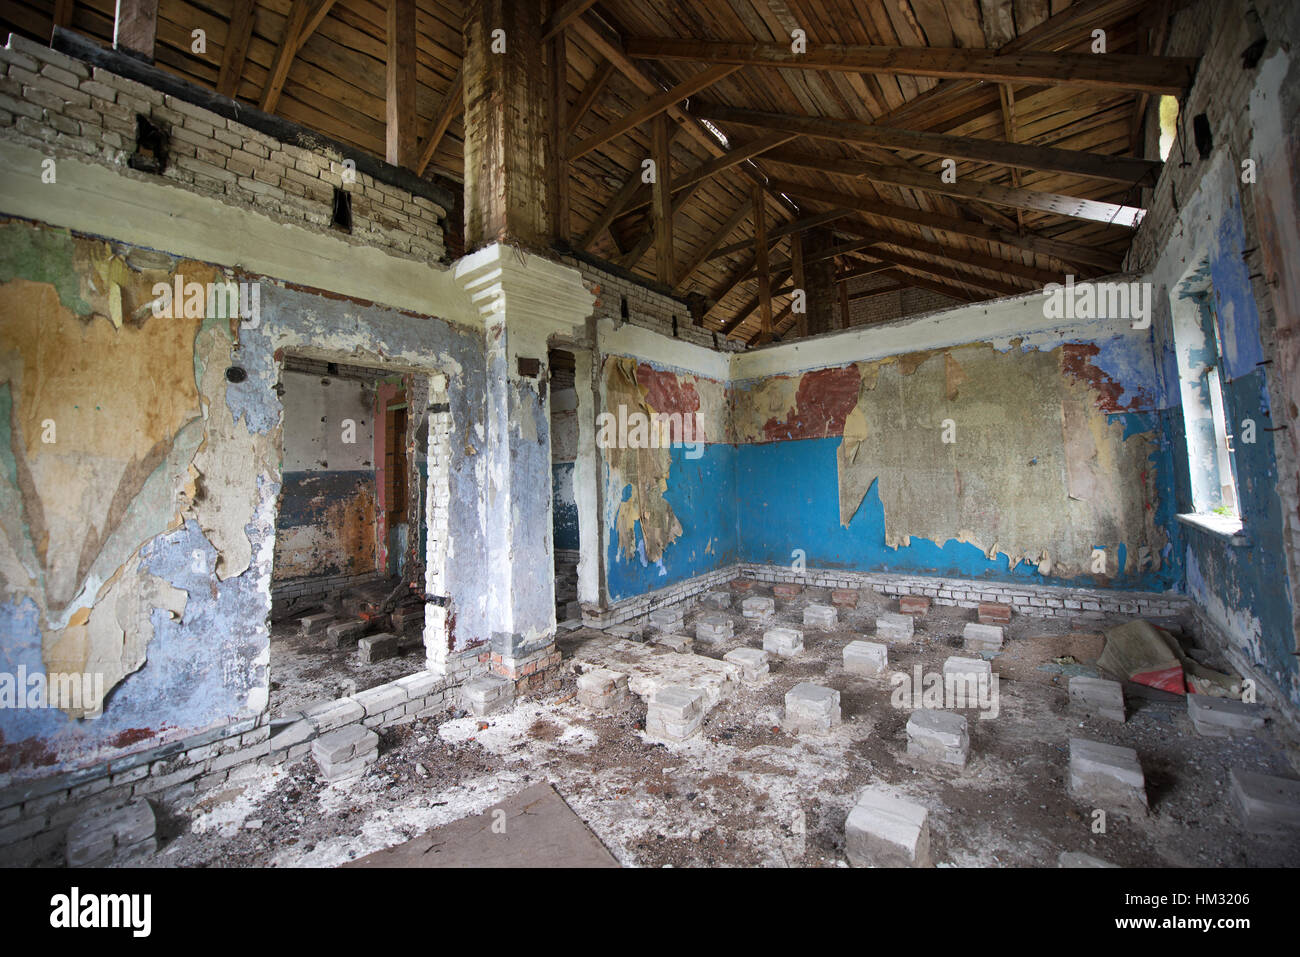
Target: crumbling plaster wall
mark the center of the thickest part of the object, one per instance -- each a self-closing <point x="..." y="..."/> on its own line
<point x="668" y="513"/>
<point x="139" y="543"/>
<point x="1014" y="456"/>
<point x="1230" y="220"/>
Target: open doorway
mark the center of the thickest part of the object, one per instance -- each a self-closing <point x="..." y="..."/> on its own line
<point x="347" y="579"/>
<point x="564" y="508"/>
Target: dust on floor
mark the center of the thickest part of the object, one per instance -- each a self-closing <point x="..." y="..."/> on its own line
<point x="743" y="792"/>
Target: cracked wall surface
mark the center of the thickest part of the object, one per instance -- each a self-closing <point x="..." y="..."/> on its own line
<point x="138" y="543"/>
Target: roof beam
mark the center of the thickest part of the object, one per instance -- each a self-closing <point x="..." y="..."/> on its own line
<point x="996" y="286"/>
<point x="235" y="51"/>
<point x="1010" y="267"/>
<point x="400" y="96"/>
<point x="1066" y="252"/>
<point x="718" y="165"/>
<point x="662" y="206"/>
<point x="1112" y="214"/>
<point x="452" y="106"/>
<point x="613" y="51"/>
<point x="1120" y="169"/>
<point x="795" y="226"/>
<point x="300" y="25"/>
<point x="135" y="28"/>
<point x="652" y="108"/>
<point x="760" y="259"/>
<point x="564" y="16"/>
<point x="1114" y="71"/>
<point x="722" y="232"/>
<point x="588" y="96"/>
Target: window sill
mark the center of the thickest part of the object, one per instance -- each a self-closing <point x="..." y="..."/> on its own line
<point x="1229" y="529"/>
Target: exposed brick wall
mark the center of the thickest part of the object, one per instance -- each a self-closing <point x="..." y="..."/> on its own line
<point x="68" y="109"/>
<point x="647" y="308"/>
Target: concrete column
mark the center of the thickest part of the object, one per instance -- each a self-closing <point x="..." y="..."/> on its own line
<point x="524" y="300"/>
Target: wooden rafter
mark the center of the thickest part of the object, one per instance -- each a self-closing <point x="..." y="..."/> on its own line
<point x="652" y="108"/>
<point x="760" y="261"/>
<point x="588" y="96"/>
<point x="453" y="104"/>
<point x="967" y="187"/>
<point x="1044" y="158"/>
<point x="722" y="232"/>
<point x="1114" y="71"/>
<point x="300" y="25"/>
<point x="718" y="164"/>
<point x="662" y="205"/>
<point x="1066" y="252"/>
<point x="135" y="27"/>
<point x="564" y="16"/>
<point x="238" y="35"/>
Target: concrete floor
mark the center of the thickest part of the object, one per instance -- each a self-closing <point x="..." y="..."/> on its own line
<point x="744" y="792"/>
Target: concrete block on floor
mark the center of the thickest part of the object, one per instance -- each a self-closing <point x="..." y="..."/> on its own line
<point x="1223" y="717"/>
<point x="785" y="642"/>
<point x="914" y="605"/>
<point x="1079" y="859"/>
<point x="753" y="663"/>
<point x="376" y="648"/>
<point x="938" y="736"/>
<point x="112" y="834"/>
<point x="667" y="620"/>
<point x="844" y="597"/>
<point x="683" y="643"/>
<point x="957" y="665"/>
<point x="1097" y="696"/>
<point x="811" y="708"/>
<point x="626" y="630"/>
<point x="713" y="627"/>
<point x="820" y="616"/>
<point x="1107" y="776"/>
<point x="675" y="713"/>
<point x="977" y="637"/>
<point x="603" y="690"/>
<point x="345" y="752"/>
<point x="344" y="632"/>
<point x="758" y="607"/>
<point x="993" y="613"/>
<point x="720" y="600"/>
<point x="883" y="830"/>
<point x="315" y="624"/>
<point x="1265" y="805"/>
<point x="894" y="627"/>
<point x="786" y="589"/>
<point x="866" y="657"/>
<point x="486" y="695"/>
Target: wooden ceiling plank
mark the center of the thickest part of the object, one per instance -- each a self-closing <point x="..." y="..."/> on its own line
<point x="706" y="250"/>
<point x="588" y="95"/>
<point x="565" y="16"/>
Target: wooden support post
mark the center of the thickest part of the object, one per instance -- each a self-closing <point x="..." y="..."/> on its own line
<point x="662" y="204"/>
<point x="760" y="260"/>
<point x="508" y="99"/>
<point x="844" y="305"/>
<point x="135" y="28"/>
<point x="800" y="286"/>
<point x="558" y="57"/>
<point x="401" y="83"/>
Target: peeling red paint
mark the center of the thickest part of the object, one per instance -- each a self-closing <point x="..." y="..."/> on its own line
<point x="27" y="753"/>
<point x="130" y="736"/>
<point x="668" y="394"/>
<point x="1076" y="362"/>
<point x="822" y="403"/>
